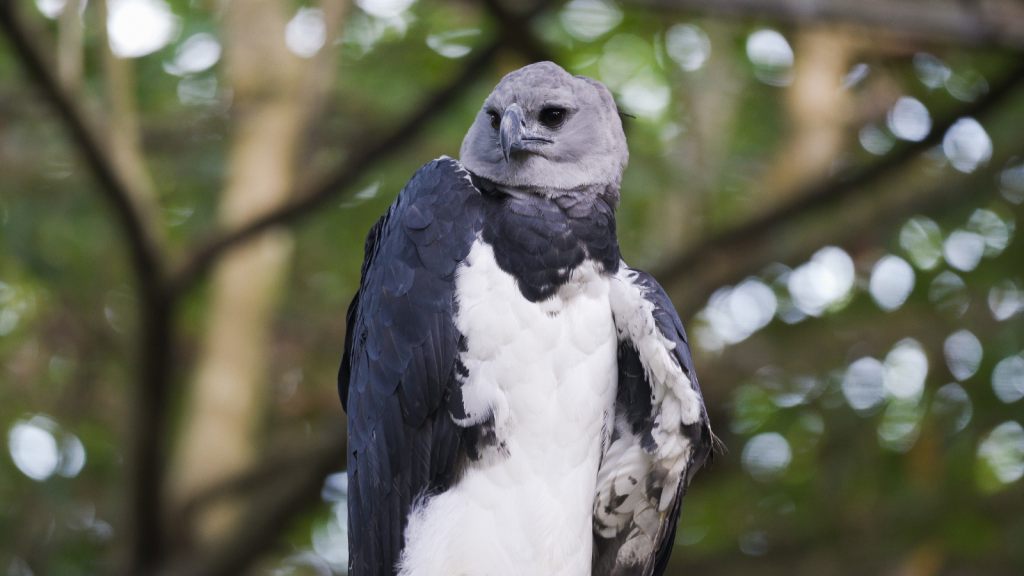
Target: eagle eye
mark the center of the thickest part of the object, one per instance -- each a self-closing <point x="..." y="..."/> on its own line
<point x="552" y="117"/>
<point x="495" y="120"/>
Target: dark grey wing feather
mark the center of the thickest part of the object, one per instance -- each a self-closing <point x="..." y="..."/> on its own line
<point x="661" y="437"/>
<point x="400" y="351"/>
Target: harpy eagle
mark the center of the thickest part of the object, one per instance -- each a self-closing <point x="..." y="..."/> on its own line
<point x="520" y="402"/>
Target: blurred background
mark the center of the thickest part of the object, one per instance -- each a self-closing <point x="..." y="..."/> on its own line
<point x="828" y="189"/>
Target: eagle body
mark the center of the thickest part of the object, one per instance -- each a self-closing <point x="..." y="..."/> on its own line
<point x="520" y="402"/>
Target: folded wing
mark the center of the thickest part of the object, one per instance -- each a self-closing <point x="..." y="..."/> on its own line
<point x="399" y="361"/>
<point x="660" y="438"/>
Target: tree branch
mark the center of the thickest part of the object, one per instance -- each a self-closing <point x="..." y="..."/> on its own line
<point x="999" y="22"/>
<point x="270" y="470"/>
<point x="294" y="492"/>
<point x="336" y="183"/>
<point x="714" y="257"/>
<point x="515" y="30"/>
<point x="146" y="255"/>
<point x="156" y="305"/>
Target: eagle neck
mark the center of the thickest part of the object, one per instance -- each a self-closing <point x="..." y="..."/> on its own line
<point x="540" y="239"/>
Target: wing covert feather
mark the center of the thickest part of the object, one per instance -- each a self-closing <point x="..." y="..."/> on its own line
<point x="400" y="349"/>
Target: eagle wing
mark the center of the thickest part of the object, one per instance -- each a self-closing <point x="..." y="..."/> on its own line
<point x="661" y="433"/>
<point x="400" y="353"/>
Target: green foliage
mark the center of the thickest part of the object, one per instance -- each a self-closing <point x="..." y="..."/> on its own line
<point x="859" y="491"/>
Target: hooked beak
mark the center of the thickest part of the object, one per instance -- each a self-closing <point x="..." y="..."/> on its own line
<point x="513" y="134"/>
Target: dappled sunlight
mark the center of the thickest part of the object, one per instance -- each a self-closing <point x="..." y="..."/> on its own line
<point x="906" y="368"/>
<point x="330" y="538"/>
<point x="385" y="8"/>
<point x="1002" y="455"/>
<point x="1008" y="379"/>
<point x="140" y="27"/>
<point x="996" y="231"/>
<point x="830" y="204"/>
<point x="963" y="353"/>
<point x="734" y="313"/>
<point x="909" y="119"/>
<point x="953" y="407"/>
<point x="823" y="282"/>
<point x="901" y="425"/>
<point x="766" y="456"/>
<point x="306" y="32"/>
<point x="771" y="56"/>
<point x="447" y="43"/>
<point x="51" y="8"/>
<point x="688" y="46"/>
<point x="588" y="20"/>
<point x="931" y="71"/>
<point x="963" y="250"/>
<point x="892" y="280"/>
<point x="1005" y="300"/>
<point x="949" y="293"/>
<point x="864" y="385"/>
<point x="875" y="140"/>
<point x="921" y="239"/>
<point x="40" y="448"/>
<point x="1011" y="183"/>
<point x="197" y="53"/>
<point x="967" y="145"/>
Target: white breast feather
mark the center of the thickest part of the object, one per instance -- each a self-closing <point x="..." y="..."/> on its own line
<point x="547" y="373"/>
<point x="674" y="401"/>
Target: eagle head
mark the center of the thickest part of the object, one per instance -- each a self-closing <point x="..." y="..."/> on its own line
<point x="545" y="130"/>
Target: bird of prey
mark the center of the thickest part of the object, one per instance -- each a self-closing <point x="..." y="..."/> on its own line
<point x="520" y="402"/>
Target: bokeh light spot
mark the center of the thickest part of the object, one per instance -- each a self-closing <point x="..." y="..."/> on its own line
<point x="963" y="353"/>
<point x="588" y="20"/>
<point x="906" y="367"/>
<point x="734" y="313"/>
<point x="766" y="456"/>
<point x="1011" y="183"/>
<point x="921" y="238"/>
<point x="875" y="140"/>
<point x="1008" y="379"/>
<point x="197" y="53"/>
<point x="900" y="425"/>
<point x="963" y="250"/>
<point x="384" y="8"/>
<point x="72" y="456"/>
<point x="823" y="282"/>
<point x="967" y="145"/>
<point x="996" y="232"/>
<point x="754" y="543"/>
<point x="306" y="32"/>
<point x="909" y="119"/>
<point x="892" y="280"/>
<point x="953" y="406"/>
<point x="51" y="8"/>
<point x="1003" y="451"/>
<point x="771" y="56"/>
<point x="688" y="45"/>
<point x="932" y="71"/>
<point x="863" y="385"/>
<point x="1005" y="300"/>
<point x="33" y="447"/>
<point x="949" y="293"/>
<point x="446" y="43"/>
<point x="139" y="27"/>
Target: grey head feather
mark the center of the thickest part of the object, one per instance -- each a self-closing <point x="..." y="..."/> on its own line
<point x="586" y="151"/>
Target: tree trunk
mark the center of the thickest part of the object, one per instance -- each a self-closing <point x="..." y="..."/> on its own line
<point x="274" y="92"/>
